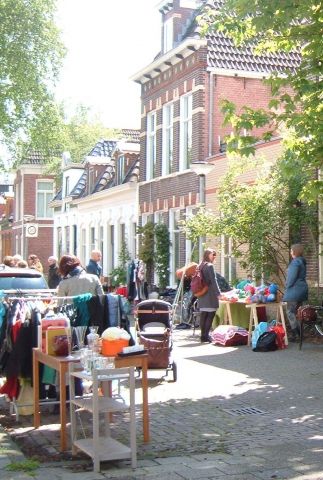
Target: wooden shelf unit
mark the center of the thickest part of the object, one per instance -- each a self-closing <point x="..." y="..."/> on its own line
<point x="103" y="448"/>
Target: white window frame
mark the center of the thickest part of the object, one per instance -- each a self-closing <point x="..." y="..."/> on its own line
<point x="151" y="145"/>
<point x="174" y="216"/>
<point x="92" y="238"/>
<point x="168" y="139"/>
<point x="47" y="197"/>
<point x="186" y="117"/>
<point x="83" y="246"/>
<point x="189" y="212"/>
<point x="145" y="218"/>
<point x="228" y="260"/>
<point x="168" y="36"/>
<point x="121" y="168"/>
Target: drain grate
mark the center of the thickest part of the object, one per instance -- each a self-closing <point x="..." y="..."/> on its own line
<point x="245" y="411"/>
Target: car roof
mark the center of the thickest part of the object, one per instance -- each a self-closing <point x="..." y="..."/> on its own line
<point x="18" y="272"/>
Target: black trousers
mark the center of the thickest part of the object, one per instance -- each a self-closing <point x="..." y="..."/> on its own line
<point x="206" y="319"/>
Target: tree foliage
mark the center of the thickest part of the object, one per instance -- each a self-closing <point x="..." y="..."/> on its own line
<point x="270" y="26"/>
<point x="162" y="254"/>
<point x="31" y="53"/>
<point x="259" y="218"/>
<point x="77" y="135"/>
<point x="146" y="247"/>
<point x="119" y="274"/>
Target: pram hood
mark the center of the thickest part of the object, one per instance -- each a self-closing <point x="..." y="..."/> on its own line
<point x="153" y="311"/>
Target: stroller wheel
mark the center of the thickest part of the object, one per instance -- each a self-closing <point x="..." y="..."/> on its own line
<point x="174" y="368"/>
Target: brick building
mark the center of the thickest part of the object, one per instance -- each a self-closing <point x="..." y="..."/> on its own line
<point x="181" y="118"/>
<point x="32" y="226"/>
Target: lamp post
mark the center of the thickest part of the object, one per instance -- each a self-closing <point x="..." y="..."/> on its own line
<point x="201" y="169"/>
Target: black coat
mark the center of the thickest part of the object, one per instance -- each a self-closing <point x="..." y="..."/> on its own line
<point x="53" y="276"/>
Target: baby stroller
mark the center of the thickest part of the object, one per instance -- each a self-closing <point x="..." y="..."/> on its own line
<point x="154" y="331"/>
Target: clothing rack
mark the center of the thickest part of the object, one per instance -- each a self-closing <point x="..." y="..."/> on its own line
<point x="29" y="296"/>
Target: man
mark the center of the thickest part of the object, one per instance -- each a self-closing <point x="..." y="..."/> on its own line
<point x="93" y="266"/>
<point x="53" y="275"/>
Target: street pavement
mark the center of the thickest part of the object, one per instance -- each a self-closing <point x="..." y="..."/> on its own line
<point x="232" y="413"/>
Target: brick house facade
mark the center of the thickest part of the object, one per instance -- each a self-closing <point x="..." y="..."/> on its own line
<point x="33" y="191"/>
<point x="181" y="118"/>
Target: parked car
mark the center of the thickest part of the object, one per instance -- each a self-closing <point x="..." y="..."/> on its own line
<point x="21" y="279"/>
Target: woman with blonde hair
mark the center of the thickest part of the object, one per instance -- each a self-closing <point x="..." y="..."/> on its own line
<point x="34" y="262"/>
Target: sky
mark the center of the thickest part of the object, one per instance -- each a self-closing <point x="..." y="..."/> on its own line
<point x="107" y="42"/>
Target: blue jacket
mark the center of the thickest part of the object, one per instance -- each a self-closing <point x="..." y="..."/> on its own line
<point x="296" y="288"/>
<point x="94" y="268"/>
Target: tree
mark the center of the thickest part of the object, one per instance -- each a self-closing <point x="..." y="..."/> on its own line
<point x="258" y="217"/>
<point x="162" y="254"/>
<point x="77" y="135"/>
<point x="146" y="247"/>
<point x="270" y="26"/>
<point x="31" y="54"/>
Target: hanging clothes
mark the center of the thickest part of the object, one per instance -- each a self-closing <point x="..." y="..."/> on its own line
<point x="16" y="352"/>
<point x="98" y="311"/>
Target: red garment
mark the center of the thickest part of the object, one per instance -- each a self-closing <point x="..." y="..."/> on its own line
<point x="11" y="388"/>
<point x="122" y="291"/>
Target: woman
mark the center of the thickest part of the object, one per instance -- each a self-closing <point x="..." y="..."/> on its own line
<point x="209" y="302"/>
<point x="34" y="262"/>
<point x="75" y="280"/>
<point x="296" y="288"/>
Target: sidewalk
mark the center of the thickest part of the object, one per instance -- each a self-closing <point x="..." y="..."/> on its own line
<point x="233" y="413"/>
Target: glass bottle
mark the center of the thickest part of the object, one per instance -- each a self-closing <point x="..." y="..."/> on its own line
<point x="93" y="340"/>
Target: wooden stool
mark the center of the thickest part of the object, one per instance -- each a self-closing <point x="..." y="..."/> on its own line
<point x="253" y="321"/>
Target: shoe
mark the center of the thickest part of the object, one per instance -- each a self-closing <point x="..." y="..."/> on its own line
<point x="205" y="340"/>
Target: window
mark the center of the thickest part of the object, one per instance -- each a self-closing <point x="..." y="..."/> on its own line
<point x="151" y="146"/>
<point x="122" y="233"/>
<point x="74" y="239"/>
<point x="83" y="246"/>
<point x="191" y="248"/>
<point x="67" y="239"/>
<point x="158" y="217"/>
<point x="133" y="239"/>
<point x="228" y="264"/>
<point x="59" y="242"/>
<point x="17" y="202"/>
<point x="185" y="131"/>
<point x="92" y="238"/>
<point x="168" y="115"/>
<point x="101" y="243"/>
<point x="45" y="192"/>
<point x="112" y="245"/>
<point x="175" y="242"/>
<point x="168" y="35"/>
<point x="121" y="164"/>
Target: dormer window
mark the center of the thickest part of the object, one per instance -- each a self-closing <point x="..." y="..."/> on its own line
<point x="168" y="35"/>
